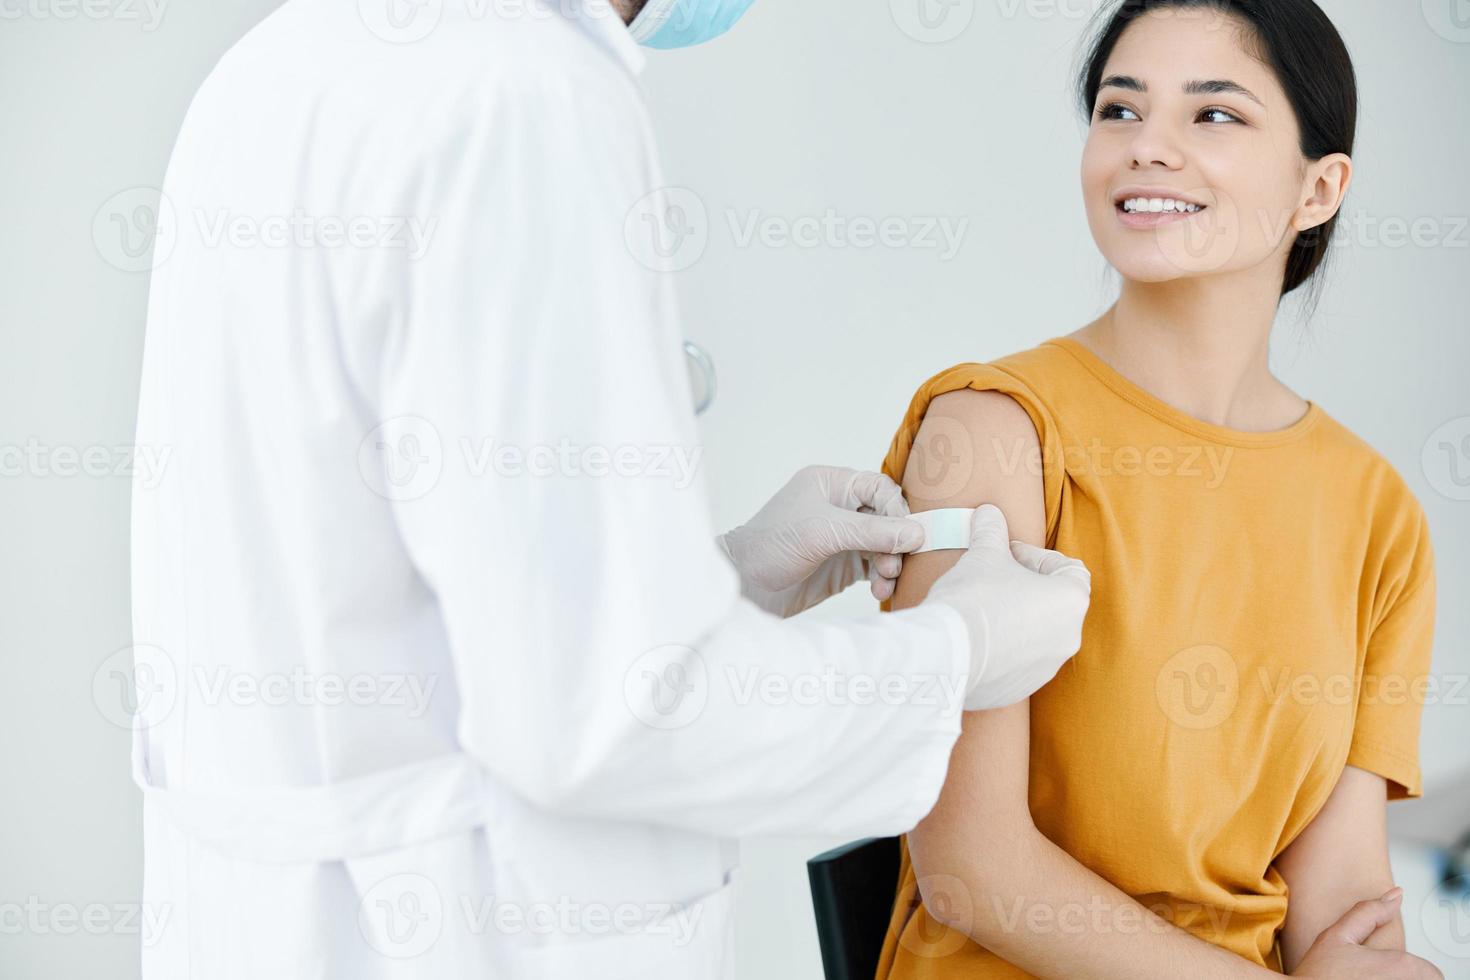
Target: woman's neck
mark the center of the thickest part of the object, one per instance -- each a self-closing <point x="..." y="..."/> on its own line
<point x="1200" y="345"/>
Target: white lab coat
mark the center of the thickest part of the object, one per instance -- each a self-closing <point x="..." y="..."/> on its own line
<point x="400" y="709"/>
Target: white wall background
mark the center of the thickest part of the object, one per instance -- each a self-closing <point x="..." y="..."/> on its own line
<point x="809" y="106"/>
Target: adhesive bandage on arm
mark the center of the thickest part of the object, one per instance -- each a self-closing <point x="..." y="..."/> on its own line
<point x="945" y="530"/>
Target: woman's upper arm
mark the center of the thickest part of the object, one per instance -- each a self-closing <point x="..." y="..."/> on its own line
<point x="1339" y="859"/>
<point x="973" y="448"/>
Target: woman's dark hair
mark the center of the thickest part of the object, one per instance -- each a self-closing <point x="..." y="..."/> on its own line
<point x="1297" y="40"/>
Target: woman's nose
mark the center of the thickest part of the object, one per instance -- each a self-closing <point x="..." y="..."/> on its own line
<point x="1156" y="142"/>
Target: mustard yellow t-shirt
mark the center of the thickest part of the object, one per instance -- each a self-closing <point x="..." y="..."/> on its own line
<point x="1262" y="615"/>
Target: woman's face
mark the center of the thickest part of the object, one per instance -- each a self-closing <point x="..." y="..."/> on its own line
<point x="1230" y="147"/>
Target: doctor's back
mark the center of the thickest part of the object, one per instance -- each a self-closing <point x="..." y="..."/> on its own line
<point x="341" y="336"/>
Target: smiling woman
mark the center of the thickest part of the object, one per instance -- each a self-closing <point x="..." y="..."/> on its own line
<point x="1201" y="791"/>
<point x="1276" y="134"/>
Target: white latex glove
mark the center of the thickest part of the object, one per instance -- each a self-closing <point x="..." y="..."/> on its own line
<point x="1023" y="605"/>
<point x="826" y="529"/>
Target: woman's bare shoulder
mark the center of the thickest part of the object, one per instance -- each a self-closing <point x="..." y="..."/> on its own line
<point x="979" y="447"/>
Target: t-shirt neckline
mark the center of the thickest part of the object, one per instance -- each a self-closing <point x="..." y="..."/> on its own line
<point x="1161" y="409"/>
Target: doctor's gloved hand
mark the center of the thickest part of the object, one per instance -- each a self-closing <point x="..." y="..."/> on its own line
<point x="826" y="529"/>
<point x="1023" y="605"/>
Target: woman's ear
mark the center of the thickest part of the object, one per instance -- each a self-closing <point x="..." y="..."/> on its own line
<point x="1327" y="182"/>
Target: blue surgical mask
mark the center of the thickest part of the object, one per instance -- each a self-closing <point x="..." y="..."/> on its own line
<point x="685" y="23"/>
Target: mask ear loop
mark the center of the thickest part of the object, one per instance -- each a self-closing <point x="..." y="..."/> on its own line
<point x="652" y="17"/>
<point x="701" y="362"/>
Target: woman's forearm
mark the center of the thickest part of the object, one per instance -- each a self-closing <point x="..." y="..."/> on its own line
<point x="1338" y="859"/>
<point x="1033" y="904"/>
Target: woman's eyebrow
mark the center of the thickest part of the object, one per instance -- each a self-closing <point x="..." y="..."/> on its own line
<point x="1214" y="86"/>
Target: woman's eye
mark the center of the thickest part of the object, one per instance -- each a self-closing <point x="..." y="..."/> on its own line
<point x="1113" y="110"/>
<point x="1229" y="116"/>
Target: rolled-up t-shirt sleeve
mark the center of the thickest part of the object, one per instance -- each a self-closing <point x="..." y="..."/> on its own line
<point x="1397" y="681"/>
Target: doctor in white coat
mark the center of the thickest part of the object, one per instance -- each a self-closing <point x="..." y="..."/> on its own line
<point x="441" y="670"/>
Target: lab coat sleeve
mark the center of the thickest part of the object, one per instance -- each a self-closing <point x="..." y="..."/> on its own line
<point x="605" y="661"/>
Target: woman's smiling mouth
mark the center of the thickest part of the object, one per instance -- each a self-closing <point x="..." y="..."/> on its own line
<point x="1141" y="209"/>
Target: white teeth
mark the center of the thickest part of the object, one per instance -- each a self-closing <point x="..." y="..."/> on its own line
<point x="1158" y="205"/>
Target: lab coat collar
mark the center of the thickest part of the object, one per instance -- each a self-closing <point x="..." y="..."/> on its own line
<point x="599" y="19"/>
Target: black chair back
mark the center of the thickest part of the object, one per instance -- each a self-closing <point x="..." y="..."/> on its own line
<point x="852" y="893"/>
